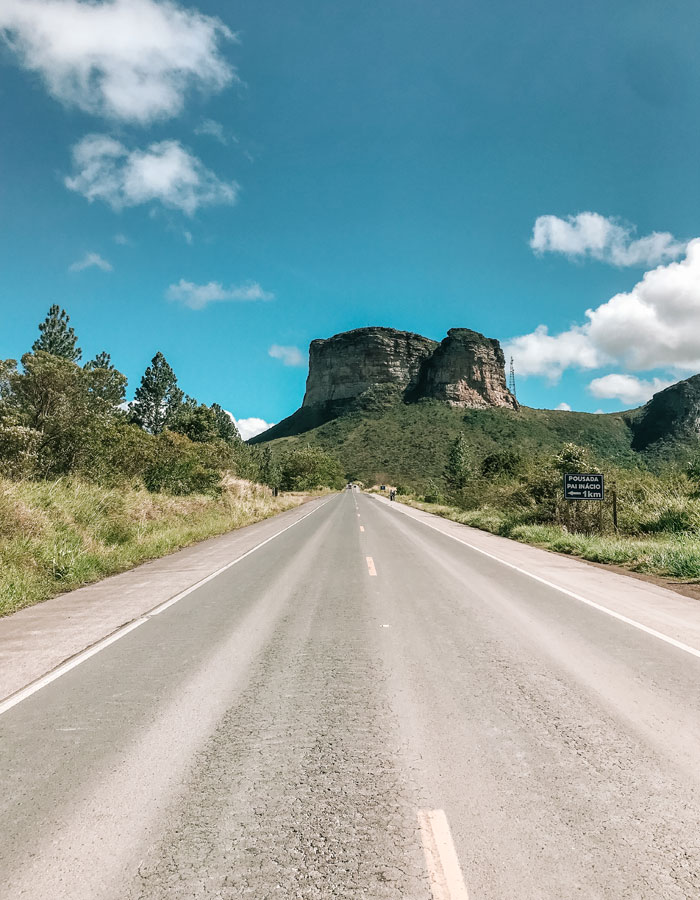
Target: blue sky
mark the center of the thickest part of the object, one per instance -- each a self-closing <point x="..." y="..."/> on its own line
<point x="225" y="182"/>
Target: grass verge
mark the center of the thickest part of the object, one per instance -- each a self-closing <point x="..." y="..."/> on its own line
<point x="671" y="555"/>
<point x="58" y="535"/>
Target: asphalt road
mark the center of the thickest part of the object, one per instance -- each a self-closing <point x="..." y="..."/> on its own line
<point x="363" y="707"/>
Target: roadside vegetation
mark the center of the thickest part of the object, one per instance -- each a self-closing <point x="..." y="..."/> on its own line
<point x="410" y="442"/>
<point x="56" y="535"/>
<point x="91" y="485"/>
<point x="520" y="496"/>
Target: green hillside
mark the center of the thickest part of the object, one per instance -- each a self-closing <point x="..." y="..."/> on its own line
<point x="408" y="443"/>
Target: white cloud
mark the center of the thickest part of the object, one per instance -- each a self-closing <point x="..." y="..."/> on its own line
<point x="132" y="60"/>
<point x="541" y="353"/>
<point x="564" y="407"/>
<point x="122" y="240"/>
<point x="248" y="428"/>
<point x="589" y="234"/>
<point x="290" y="356"/>
<point x="196" y="296"/>
<point x="213" y="129"/>
<point x="656" y="325"/>
<point x="164" y="173"/>
<point x="627" y="388"/>
<point x="90" y="260"/>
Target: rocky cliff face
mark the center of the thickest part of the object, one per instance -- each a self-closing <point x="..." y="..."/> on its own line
<point x="369" y="368"/>
<point x="346" y="366"/>
<point x="671" y="415"/>
<point x="465" y="370"/>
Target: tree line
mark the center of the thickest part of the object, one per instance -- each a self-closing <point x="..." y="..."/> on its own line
<point x="60" y="417"/>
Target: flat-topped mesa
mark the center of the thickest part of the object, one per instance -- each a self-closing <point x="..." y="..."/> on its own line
<point x="346" y="366"/>
<point x="467" y="370"/>
<point x="371" y="368"/>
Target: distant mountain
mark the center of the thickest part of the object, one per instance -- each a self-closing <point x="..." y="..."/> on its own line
<point x="390" y="403"/>
<point x="670" y="418"/>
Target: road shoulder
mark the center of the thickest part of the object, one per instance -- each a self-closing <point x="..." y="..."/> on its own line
<point x="37" y="639"/>
<point x="655" y="607"/>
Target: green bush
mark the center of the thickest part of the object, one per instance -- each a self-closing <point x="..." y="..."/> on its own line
<point x="309" y="468"/>
<point x="181" y="467"/>
<point x="674" y="517"/>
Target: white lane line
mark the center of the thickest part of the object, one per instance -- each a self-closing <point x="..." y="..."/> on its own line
<point x="370" y="566"/>
<point x="35" y="686"/>
<point x="163" y="606"/>
<point x="604" y="609"/>
<point x="444" y="872"/>
<point x="64" y="667"/>
<point x="362" y="527"/>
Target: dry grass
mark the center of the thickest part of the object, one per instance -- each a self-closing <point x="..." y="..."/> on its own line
<point x="58" y="535"/>
<point x="674" y="554"/>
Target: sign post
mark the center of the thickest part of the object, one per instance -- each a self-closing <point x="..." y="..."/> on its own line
<point x="584" y="486"/>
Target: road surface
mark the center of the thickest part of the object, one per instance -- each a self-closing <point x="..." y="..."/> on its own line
<point x="363" y="707"/>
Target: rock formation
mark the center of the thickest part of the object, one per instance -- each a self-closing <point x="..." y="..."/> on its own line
<point x="370" y="367"/>
<point x="347" y="366"/>
<point x="671" y="415"/>
<point x="467" y="369"/>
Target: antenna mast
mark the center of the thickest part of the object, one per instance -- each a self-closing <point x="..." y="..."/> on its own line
<point x="511" y="378"/>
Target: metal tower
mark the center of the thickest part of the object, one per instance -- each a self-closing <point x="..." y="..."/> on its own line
<point x="511" y="378"/>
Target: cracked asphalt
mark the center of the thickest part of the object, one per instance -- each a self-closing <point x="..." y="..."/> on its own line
<point x="274" y="734"/>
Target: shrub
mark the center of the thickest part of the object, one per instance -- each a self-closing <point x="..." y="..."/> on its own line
<point x="502" y="462"/>
<point x="433" y="493"/>
<point x="181" y="467"/>
<point x="310" y="468"/>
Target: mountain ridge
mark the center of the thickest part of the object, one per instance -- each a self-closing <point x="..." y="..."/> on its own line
<point x="389" y="403"/>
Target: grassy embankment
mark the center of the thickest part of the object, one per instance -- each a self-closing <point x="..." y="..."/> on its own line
<point x="671" y="554"/>
<point x="58" y="535"/>
<point x="408" y="443"/>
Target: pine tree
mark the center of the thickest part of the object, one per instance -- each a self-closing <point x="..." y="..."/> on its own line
<point x="158" y="398"/>
<point x="459" y="464"/>
<point x="101" y="361"/>
<point x="226" y="426"/>
<point x="56" y="336"/>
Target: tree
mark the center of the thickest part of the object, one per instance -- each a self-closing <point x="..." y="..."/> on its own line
<point x="270" y="469"/>
<point x="308" y="468"/>
<point x="65" y="407"/>
<point x="459" y="464"/>
<point x="56" y="336"/>
<point x="204" y="424"/>
<point x="501" y="462"/>
<point x="197" y="422"/>
<point x="101" y="361"/>
<point x="227" y="428"/>
<point x="104" y="380"/>
<point x="574" y="459"/>
<point x="158" y="398"/>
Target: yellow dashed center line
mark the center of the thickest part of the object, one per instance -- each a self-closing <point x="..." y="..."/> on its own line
<point x="370" y="566"/>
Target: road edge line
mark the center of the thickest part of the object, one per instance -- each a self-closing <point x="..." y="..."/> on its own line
<point x="62" y="668"/>
<point x="679" y="645"/>
<point x="444" y="871"/>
